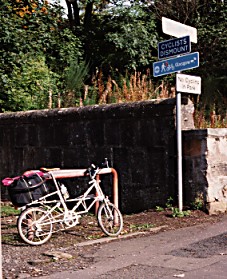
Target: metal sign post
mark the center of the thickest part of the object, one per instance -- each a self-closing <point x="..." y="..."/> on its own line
<point x="184" y="83"/>
<point x="188" y="84"/>
<point x="179" y="151"/>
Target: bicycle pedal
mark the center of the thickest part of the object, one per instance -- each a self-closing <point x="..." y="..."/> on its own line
<point x="31" y="234"/>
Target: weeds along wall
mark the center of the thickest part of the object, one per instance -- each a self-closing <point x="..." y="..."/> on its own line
<point x="139" y="139"/>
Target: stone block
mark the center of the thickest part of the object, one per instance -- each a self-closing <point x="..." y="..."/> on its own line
<point x="217" y="207"/>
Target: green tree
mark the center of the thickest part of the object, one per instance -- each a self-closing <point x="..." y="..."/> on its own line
<point x="213" y="52"/>
<point x="80" y="13"/>
<point x="131" y="37"/>
<point x="75" y="75"/>
<point x="33" y="35"/>
<point x="29" y="85"/>
<point x="114" y="36"/>
<point x="118" y="35"/>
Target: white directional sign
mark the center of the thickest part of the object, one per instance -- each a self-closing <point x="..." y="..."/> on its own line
<point x="177" y="29"/>
<point x="188" y="84"/>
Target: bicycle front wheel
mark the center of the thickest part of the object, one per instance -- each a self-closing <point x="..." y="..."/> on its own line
<point x="110" y="219"/>
<point x="34" y="226"/>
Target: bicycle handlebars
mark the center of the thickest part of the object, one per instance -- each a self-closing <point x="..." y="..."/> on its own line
<point x="93" y="169"/>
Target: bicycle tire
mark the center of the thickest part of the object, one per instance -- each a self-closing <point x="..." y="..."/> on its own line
<point x="110" y="219"/>
<point x="34" y="226"/>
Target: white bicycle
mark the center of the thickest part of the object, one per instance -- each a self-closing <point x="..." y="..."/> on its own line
<point x="49" y="214"/>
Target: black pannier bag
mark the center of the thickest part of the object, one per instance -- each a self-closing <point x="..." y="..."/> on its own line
<point x="27" y="189"/>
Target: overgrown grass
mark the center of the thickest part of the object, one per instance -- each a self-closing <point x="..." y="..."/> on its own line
<point x="7" y="210"/>
<point x="129" y="88"/>
<point x="210" y="107"/>
<point x="141" y="227"/>
<point x="203" y="118"/>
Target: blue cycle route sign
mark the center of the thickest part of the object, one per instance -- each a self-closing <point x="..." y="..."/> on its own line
<point x="173" y="65"/>
<point x="174" y="47"/>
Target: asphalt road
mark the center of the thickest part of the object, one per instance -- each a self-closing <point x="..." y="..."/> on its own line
<point x="190" y="253"/>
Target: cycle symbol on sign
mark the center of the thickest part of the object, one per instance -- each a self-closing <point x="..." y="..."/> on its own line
<point x="167" y="67"/>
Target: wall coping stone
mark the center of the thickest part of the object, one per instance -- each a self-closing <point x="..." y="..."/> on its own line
<point x="129" y="107"/>
<point x="220" y="132"/>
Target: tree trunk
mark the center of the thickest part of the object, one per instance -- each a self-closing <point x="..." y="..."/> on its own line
<point x="88" y="14"/>
<point x="73" y="12"/>
<point x="76" y="13"/>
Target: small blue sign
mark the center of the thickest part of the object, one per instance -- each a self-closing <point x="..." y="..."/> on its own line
<point x="177" y="64"/>
<point x="174" y="47"/>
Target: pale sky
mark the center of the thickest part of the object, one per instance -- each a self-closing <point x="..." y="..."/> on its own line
<point x="62" y="2"/>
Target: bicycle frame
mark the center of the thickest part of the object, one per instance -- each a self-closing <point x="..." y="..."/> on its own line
<point x="65" y="216"/>
<point x="48" y="214"/>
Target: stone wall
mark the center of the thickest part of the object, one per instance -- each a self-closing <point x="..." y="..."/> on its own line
<point x="205" y="168"/>
<point x="137" y="138"/>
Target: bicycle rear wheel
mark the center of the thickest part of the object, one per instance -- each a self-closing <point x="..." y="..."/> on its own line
<point x="110" y="219"/>
<point x="34" y="226"/>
